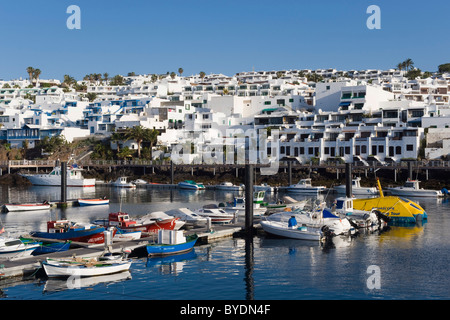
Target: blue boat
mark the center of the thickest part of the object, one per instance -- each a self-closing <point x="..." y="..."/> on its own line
<point x="48" y="247"/>
<point x="157" y="249"/>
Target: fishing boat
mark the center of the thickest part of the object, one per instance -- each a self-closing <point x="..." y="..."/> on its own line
<point x="357" y="189"/>
<point x="399" y="210"/>
<point x="191" y="185"/>
<point x="93" y="202"/>
<point x="74" y="178"/>
<point x="305" y="186"/>
<point x="68" y="230"/>
<point x="122" y="182"/>
<point x="13" y="207"/>
<point x="84" y="267"/>
<point x="215" y="213"/>
<point x="411" y="188"/>
<point x="228" y="186"/>
<point x="171" y="242"/>
<point x="282" y="229"/>
<point x="238" y="205"/>
<point x="48" y="247"/>
<point x="188" y="216"/>
<point x="161" y="217"/>
<point x="16" y="248"/>
<point x="122" y="220"/>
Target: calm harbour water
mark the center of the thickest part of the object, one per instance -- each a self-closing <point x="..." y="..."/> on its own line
<point x="413" y="262"/>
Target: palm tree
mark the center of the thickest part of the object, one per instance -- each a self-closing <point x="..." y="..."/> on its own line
<point x="36" y="74"/>
<point x="151" y="135"/>
<point x="180" y="71"/>
<point x="116" y="137"/>
<point x="30" y="71"/>
<point x="105" y="76"/>
<point x="400" y="66"/>
<point x="172" y="75"/>
<point x="154" y="77"/>
<point x="408" y="64"/>
<point x="137" y="133"/>
<point x="202" y="74"/>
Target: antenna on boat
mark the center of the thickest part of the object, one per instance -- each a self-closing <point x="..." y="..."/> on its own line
<point x="379" y="188"/>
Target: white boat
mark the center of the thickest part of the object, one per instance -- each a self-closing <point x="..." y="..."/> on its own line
<point x="191" y="185"/>
<point x="139" y="182"/>
<point x="122" y="182"/>
<point x="13" y="207"/>
<point x="357" y="189"/>
<point x="238" y="205"/>
<point x="74" y="178"/>
<point x="122" y="235"/>
<point x="411" y="189"/>
<point x="228" y="186"/>
<point x="187" y="216"/>
<point x="92" y="202"/>
<point x="285" y="203"/>
<point x="16" y="248"/>
<point x="215" y="213"/>
<point x="316" y="219"/>
<point x="305" y="186"/>
<point x="282" y="229"/>
<point x="84" y="267"/>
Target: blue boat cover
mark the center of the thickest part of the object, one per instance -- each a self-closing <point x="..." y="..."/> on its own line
<point x="326" y="213"/>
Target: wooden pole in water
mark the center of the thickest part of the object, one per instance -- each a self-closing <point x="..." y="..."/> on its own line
<point x="348" y="180"/>
<point x="249" y="198"/>
<point x="63" y="183"/>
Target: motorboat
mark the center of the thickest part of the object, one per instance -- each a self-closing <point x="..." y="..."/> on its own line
<point x="171" y="242"/>
<point x="215" y="213"/>
<point x="191" y="185"/>
<point x="122" y="182"/>
<point x="282" y="229"/>
<point x="74" y="178"/>
<point x="238" y="205"/>
<point x="68" y="230"/>
<point x="400" y="210"/>
<point x="16" y="248"/>
<point x="93" y="202"/>
<point x="188" y="216"/>
<point x="411" y="188"/>
<point x="228" y="186"/>
<point x="123" y="221"/>
<point x="13" y="207"/>
<point x="318" y="218"/>
<point x="87" y="267"/>
<point x="305" y="186"/>
<point x="126" y="235"/>
<point x="357" y="189"/>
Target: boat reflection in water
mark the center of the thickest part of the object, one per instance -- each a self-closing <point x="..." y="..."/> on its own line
<point x="60" y="284"/>
<point x="171" y="264"/>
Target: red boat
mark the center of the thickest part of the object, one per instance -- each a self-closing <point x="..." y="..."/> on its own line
<point x="146" y="226"/>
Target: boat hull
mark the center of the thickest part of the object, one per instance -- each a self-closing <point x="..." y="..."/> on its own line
<point x="169" y="249"/>
<point x="415" y="193"/>
<point x="281" y="230"/>
<point x="92" y="202"/>
<point x="26" y="207"/>
<point x="47" y="180"/>
<point x="61" y="269"/>
<point x="357" y="191"/>
<point x="305" y="190"/>
<point x="92" y="235"/>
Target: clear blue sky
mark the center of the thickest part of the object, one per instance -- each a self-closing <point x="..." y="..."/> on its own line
<point x="147" y="36"/>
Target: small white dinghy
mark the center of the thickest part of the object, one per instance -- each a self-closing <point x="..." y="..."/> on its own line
<point x="13" y="207"/>
<point x="282" y="229"/>
<point x="85" y="267"/>
<point x="16" y="248"/>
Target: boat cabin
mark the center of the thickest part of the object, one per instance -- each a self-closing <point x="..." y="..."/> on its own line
<point x="413" y="184"/>
<point x="344" y="205"/>
<point x="60" y="226"/>
<point x="305" y="182"/>
<point x="120" y="219"/>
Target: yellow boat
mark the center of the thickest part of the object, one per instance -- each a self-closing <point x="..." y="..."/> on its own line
<point x="399" y="210"/>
